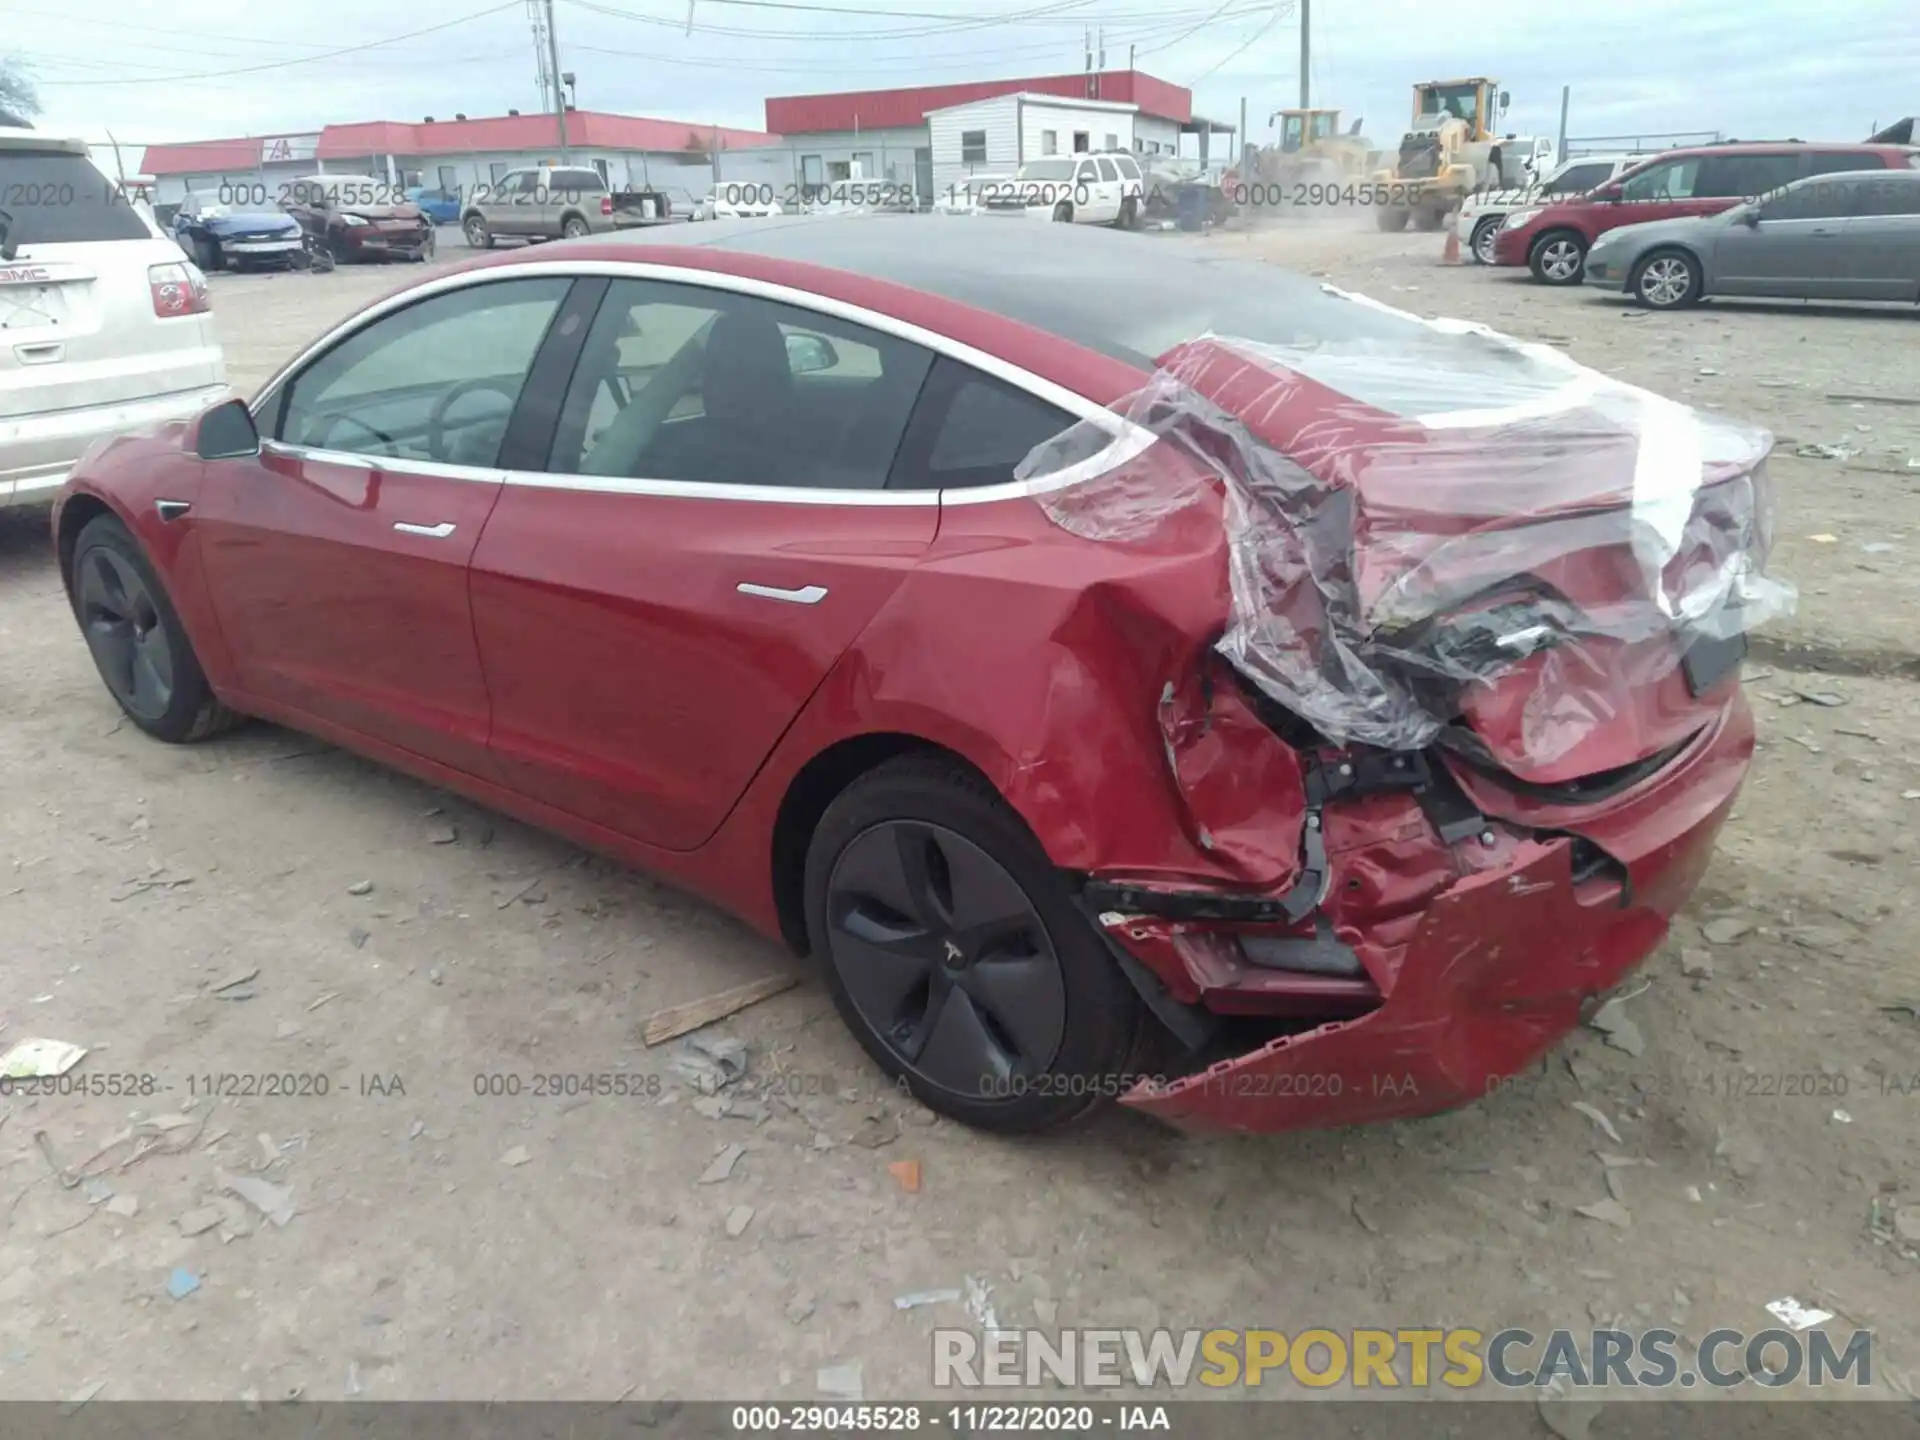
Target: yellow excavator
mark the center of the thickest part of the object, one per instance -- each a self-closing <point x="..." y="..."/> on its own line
<point x="1450" y="149"/>
<point x="1312" y="149"/>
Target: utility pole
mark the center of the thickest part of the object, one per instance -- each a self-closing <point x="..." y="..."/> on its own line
<point x="1560" y="151"/>
<point x="1306" y="51"/>
<point x="559" y="94"/>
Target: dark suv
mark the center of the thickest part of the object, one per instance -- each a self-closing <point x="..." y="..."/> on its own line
<point x="1553" y="240"/>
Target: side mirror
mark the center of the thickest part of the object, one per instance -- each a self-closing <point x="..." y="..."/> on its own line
<point x="807" y="353"/>
<point x="1506" y="99"/>
<point x="227" y="432"/>
<point x="1750" y="217"/>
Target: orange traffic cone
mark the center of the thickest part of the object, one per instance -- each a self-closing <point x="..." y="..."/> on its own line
<point x="1451" y="255"/>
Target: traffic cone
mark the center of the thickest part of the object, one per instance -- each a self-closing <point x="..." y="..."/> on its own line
<point x="1451" y="255"/>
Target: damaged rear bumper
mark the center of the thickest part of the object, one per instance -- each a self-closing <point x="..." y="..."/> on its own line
<point x="1470" y="987"/>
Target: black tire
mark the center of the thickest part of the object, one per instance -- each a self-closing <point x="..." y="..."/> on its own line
<point x="1063" y="213"/>
<point x="479" y="235"/>
<point x="1391" y="218"/>
<point x="206" y="254"/>
<point x="1667" y="280"/>
<point x="426" y="250"/>
<point x="1481" y="241"/>
<point x="573" y="227"/>
<point x="105" y="556"/>
<point x="1128" y="216"/>
<point x="1558" y="258"/>
<point x="1429" y="220"/>
<point x="1071" y="993"/>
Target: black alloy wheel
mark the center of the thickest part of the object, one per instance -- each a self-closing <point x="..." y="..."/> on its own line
<point x="137" y="641"/>
<point x="943" y="954"/>
<point x="955" y="953"/>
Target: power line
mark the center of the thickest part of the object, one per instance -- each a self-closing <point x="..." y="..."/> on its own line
<point x="298" y="60"/>
<point x="1279" y="13"/>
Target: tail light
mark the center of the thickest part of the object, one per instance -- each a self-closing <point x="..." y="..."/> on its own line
<point x="606" y="204"/>
<point x="177" y="289"/>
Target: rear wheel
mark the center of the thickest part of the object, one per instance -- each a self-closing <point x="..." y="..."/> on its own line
<point x="139" y="646"/>
<point x="1666" y="280"/>
<point x="1429" y="219"/>
<point x="573" y="227"/>
<point x="1127" y="216"/>
<point x="1557" y="258"/>
<point x="955" y="954"/>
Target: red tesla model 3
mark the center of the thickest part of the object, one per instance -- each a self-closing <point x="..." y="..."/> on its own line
<point x="728" y="558"/>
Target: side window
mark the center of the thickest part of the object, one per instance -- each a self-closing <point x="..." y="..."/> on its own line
<point x="1108" y="170"/>
<point x="1811" y="200"/>
<point x="1890" y="195"/>
<point x="679" y="382"/>
<point x="1128" y="170"/>
<point x="1744" y="177"/>
<point x="1836" y="162"/>
<point x="435" y="381"/>
<point x="1578" y="180"/>
<point x="1086" y="174"/>
<point x="972" y="429"/>
<point x="1672" y="181"/>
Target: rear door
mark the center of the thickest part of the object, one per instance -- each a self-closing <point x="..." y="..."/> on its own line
<point x="1877" y="256"/>
<point x="664" y="585"/>
<point x="337" y="558"/>
<point x="78" y="326"/>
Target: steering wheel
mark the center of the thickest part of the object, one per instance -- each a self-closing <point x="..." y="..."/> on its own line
<point x="324" y="426"/>
<point x="437" y="417"/>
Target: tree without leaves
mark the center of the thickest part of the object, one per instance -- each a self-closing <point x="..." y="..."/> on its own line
<point x="19" y="101"/>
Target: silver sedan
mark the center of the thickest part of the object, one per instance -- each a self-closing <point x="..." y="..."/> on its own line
<point x="1849" y="236"/>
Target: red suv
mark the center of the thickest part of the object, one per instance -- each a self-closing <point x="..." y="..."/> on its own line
<point x="1553" y="241"/>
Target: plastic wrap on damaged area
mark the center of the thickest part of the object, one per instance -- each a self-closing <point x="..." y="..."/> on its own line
<point x="1436" y="531"/>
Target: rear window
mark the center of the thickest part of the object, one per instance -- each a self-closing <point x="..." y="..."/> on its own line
<point x="574" y="181"/>
<point x="56" y="196"/>
<point x="1578" y="180"/>
<point x="1828" y="162"/>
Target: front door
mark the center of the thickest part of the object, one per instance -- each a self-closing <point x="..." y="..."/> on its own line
<point x="1094" y="200"/>
<point x="710" y="533"/>
<point x="337" y="559"/>
<point x="1785" y="245"/>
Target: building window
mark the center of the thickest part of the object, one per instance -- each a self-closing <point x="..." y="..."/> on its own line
<point x="1113" y="141"/>
<point x="973" y="147"/>
<point x="449" y="178"/>
<point x="496" y="170"/>
<point x="810" y="171"/>
<point x="1049" y="142"/>
<point x="601" y="166"/>
<point x="839" y="170"/>
<point x="1082" y="142"/>
<point x="1139" y="145"/>
<point x="864" y="159"/>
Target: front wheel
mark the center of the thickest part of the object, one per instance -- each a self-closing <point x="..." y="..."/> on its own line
<point x="1558" y="258"/>
<point x="1429" y="219"/>
<point x="1666" y="280"/>
<point x="954" y="953"/>
<point x="1063" y="213"/>
<point x="478" y="235"/>
<point x="206" y="254"/>
<point x="1484" y="234"/>
<point x="139" y="646"/>
<point x="1392" y="218"/>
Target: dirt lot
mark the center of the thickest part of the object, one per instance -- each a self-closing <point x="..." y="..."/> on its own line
<point x="447" y="1243"/>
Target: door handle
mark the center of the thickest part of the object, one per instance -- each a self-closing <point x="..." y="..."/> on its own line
<point x="805" y="595"/>
<point x="432" y="532"/>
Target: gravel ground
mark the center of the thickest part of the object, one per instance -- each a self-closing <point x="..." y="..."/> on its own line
<point x="445" y="1242"/>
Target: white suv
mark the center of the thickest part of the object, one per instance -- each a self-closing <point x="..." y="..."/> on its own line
<point x="1102" y="188"/>
<point x="1480" y="218"/>
<point x="103" y="322"/>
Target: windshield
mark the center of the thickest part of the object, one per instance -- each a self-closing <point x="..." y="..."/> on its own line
<point x="1047" y="170"/>
<point x="1457" y="100"/>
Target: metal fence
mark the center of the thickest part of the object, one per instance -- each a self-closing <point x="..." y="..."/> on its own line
<point x="1652" y="143"/>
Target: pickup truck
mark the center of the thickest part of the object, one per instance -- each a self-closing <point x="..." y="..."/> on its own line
<point x="552" y="202"/>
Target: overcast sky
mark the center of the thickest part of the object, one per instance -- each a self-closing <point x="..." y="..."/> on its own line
<point x="1762" y="68"/>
